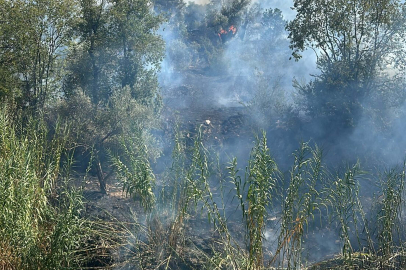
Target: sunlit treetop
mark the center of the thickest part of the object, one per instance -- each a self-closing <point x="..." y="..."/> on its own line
<point x="342" y="30"/>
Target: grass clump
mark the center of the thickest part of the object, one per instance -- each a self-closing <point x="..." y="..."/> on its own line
<point x="189" y="225"/>
<point x="255" y="196"/>
<point x="343" y="196"/>
<point x="133" y="169"/>
<point x="40" y="224"/>
<point x="389" y="206"/>
<point x="192" y="219"/>
<point x="300" y="203"/>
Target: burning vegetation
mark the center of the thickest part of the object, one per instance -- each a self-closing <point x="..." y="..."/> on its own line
<point x="211" y="159"/>
<point x="227" y="34"/>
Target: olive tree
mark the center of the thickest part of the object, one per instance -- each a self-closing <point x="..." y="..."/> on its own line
<point x="111" y="87"/>
<point x="359" y="47"/>
<point x="33" y="35"/>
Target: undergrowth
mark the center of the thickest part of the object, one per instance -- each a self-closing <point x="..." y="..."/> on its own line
<point x="197" y="185"/>
<point x="40" y="223"/>
<point x="199" y="214"/>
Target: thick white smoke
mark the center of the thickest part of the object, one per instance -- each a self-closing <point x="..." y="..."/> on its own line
<point x="200" y="2"/>
<point x="283" y="5"/>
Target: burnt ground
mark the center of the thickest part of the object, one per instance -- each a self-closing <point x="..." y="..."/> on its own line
<point x="114" y="204"/>
<point x="215" y="104"/>
<point x="222" y="121"/>
<point x="128" y="237"/>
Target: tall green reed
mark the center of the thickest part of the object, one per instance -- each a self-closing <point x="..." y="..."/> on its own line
<point x="389" y="204"/>
<point x="39" y="213"/>
<point x="255" y="195"/>
<point x="196" y="183"/>
<point x="347" y="210"/>
<point x="187" y="194"/>
<point x="133" y="169"/>
<point x="301" y="201"/>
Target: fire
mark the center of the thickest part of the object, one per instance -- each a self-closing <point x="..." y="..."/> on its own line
<point x="222" y="32"/>
<point x="232" y="29"/>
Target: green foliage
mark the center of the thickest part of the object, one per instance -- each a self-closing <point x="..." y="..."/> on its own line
<point x="96" y="63"/>
<point x="200" y="29"/>
<point x="259" y="189"/>
<point x="355" y="33"/>
<point x="301" y="201"/>
<point x="180" y="55"/>
<point x="359" y="48"/>
<point x="117" y="47"/>
<point x="389" y="207"/>
<point x="40" y="224"/>
<point x="226" y="13"/>
<point x="261" y="43"/>
<point x="32" y="36"/>
<point x="134" y="170"/>
<point x="261" y="184"/>
<point x="169" y="7"/>
<point x="268" y="104"/>
<point x="173" y="193"/>
<point x="346" y="206"/>
<point x="311" y="191"/>
<point x="111" y="79"/>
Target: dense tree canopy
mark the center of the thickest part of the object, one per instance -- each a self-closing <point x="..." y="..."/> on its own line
<point x="33" y="35"/>
<point x="359" y="46"/>
<point x="112" y="73"/>
<point x="119" y="47"/>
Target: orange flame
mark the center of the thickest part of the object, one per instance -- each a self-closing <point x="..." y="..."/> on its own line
<point x="232" y="29"/>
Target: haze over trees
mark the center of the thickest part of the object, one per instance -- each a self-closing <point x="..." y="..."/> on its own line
<point x="111" y="81"/>
<point x="81" y="99"/>
<point x="360" y="48"/>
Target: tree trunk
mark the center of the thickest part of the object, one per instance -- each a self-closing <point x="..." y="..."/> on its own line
<point x="100" y="176"/>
